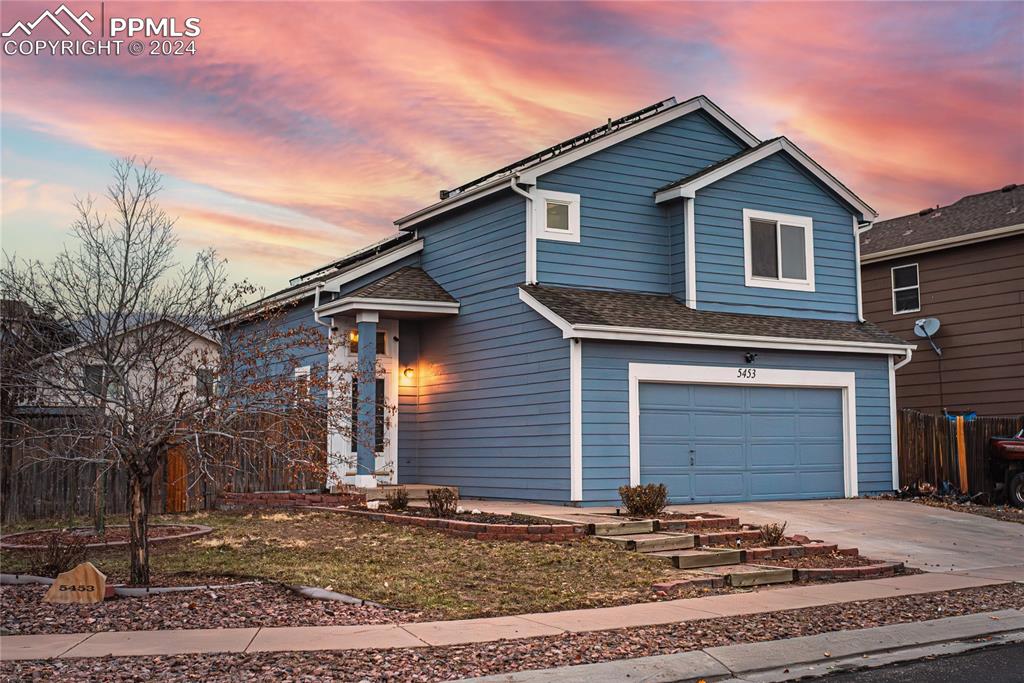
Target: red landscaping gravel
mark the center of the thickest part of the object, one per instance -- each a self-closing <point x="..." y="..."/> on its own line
<point x="244" y="606"/>
<point x="114" y="534"/>
<point x="481" y="518"/>
<point x="829" y="561"/>
<point x="448" y="663"/>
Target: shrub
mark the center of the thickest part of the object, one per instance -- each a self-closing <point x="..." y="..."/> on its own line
<point x="443" y="502"/>
<point x="644" y="500"/>
<point x="398" y="498"/>
<point x="63" y="552"/>
<point x="774" y="533"/>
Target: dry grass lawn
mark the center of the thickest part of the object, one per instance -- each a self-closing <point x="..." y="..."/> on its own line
<point x="398" y="566"/>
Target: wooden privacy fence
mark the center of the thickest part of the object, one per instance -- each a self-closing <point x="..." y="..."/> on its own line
<point x="33" y="484"/>
<point x="930" y="448"/>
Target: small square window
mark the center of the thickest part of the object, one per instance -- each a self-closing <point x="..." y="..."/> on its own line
<point x="205" y="383"/>
<point x="906" y="289"/>
<point x="556" y="216"/>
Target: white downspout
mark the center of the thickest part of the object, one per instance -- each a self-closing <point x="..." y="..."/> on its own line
<point x="531" y="244"/>
<point x="909" y="353"/>
<point x="859" y="230"/>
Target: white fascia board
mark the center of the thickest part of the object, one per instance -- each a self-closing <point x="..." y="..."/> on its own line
<point x="528" y="176"/>
<point x="546" y="313"/>
<point x="949" y="242"/>
<point x="334" y="284"/>
<point x="780" y="145"/>
<point x="384" y="305"/>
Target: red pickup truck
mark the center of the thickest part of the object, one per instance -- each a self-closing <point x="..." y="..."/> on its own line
<point x="1008" y="465"/>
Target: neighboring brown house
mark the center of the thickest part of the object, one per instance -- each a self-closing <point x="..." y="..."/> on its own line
<point x="962" y="264"/>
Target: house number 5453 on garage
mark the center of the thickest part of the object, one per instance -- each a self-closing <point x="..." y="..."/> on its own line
<point x="746" y="373"/>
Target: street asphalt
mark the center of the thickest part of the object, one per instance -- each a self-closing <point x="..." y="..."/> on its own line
<point x="1002" y="664"/>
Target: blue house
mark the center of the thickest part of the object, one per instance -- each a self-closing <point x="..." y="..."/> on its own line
<point x="664" y="298"/>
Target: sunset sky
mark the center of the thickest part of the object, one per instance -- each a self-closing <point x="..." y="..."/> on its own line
<point x="300" y="131"/>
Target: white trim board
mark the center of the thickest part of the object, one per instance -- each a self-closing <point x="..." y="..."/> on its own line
<point x="688" y="189"/>
<point x="893" y="445"/>
<point x="576" y="420"/>
<point x="529" y="174"/>
<point x="948" y="243"/>
<point x="764" y="377"/>
<point x="691" y="254"/>
<point x="394" y="305"/>
<point x="641" y="334"/>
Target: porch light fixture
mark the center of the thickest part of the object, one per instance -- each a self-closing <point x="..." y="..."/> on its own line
<point x="408" y="373"/>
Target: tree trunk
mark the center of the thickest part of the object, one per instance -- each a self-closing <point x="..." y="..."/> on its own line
<point x="100" y="519"/>
<point x="138" y="526"/>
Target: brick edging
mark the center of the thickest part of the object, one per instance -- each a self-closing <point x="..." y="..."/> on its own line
<point x="285" y="499"/>
<point x="197" y="531"/>
<point x="868" y="571"/>
<point x="546" y="533"/>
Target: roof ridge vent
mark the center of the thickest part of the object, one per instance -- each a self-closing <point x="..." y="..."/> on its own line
<point x="925" y="211"/>
<point x="1008" y="188"/>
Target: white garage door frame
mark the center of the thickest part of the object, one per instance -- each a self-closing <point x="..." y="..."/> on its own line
<point x="747" y="375"/>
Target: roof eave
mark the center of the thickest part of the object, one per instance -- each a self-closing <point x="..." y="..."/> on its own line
<point x="947" y="243"/>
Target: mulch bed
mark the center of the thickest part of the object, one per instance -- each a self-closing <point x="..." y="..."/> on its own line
<point x="1004" y="513"/>
<point x="830" y="561"/>
<point x="114" y="534"/>
<point x="238" y="607"/>
<point x="446" y="663"/>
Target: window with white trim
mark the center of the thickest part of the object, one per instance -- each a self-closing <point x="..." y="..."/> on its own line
<point x="778" y="250"/>
<point x="906" y="289"/>
<point x="301" y="378"/>
<point x="556" y="216"/>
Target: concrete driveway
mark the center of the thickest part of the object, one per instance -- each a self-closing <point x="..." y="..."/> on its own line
<point x="932" y="539"/>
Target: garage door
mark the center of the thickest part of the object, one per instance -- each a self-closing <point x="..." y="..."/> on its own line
<point x="723" y="443"/>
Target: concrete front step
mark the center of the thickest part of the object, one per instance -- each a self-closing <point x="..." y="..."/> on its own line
<point x="695" y="559"/>
<point x="651" y="542"/>
<point x="752" y="575"/>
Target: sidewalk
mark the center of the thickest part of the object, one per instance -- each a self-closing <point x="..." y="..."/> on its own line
<point x="796" y="658"/>
<point x="440" y="633"/>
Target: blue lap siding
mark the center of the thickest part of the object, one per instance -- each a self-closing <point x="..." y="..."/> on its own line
<point x="625" y="242"/>
<point x="493" y="394"/>
<point x="606" y="406"/>
<point x="773" y="184"/>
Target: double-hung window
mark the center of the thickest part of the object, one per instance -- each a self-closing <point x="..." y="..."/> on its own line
<point x="556" y="216"/>
<point x="778" y="250"/>
<point x="906" y="289"/>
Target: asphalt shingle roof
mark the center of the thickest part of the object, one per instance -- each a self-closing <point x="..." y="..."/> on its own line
<point x="407" y="283"/>
<point x="662" y="312"/>
<point x="973" y="213"/>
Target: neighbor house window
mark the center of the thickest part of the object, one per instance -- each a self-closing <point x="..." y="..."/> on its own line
<point x="906" y="289"/>
<point x="205" y="383"/>
<point x="778" y="250"/>
<point x="100" y="380"/>
<point x="382" y="342"/>
<point x="301" y="376"/>
<point x="556" y="216"/>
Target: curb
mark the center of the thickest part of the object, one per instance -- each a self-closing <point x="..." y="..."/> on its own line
<point x="794" y="658"/>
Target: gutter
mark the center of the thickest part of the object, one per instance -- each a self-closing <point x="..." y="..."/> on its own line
<point x="907" y="355"/>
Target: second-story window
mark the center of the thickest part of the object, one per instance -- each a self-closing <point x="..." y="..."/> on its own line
<point x="556" y="216"/>
<point x="906" y="289"/>
<point x="778" y="250"/>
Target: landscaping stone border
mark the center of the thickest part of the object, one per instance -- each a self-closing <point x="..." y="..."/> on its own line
<point x="198" y="530"/>
<point x="542" y="533"/>
<point x="285" y="499"/>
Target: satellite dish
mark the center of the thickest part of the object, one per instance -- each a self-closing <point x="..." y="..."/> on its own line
<point x="926" y="327"/>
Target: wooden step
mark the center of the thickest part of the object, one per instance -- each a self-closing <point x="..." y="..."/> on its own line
<point x="640" y="526"/>
<point x="694" y="559"/>
<point x="653" y="542"/>
<point x="745" y="575"/>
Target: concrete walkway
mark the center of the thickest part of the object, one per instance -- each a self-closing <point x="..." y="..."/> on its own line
<point x="933" y="539"/>
<point x="439" y="633"/>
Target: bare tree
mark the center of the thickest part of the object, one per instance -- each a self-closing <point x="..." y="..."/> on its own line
<point x="150" y="371"/>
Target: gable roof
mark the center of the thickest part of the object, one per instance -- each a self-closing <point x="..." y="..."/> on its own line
<point x="973" y="218"/>
<point x="686" y="186"/>
<point x="528" y="169"/>
<point x="603" y="314"/>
